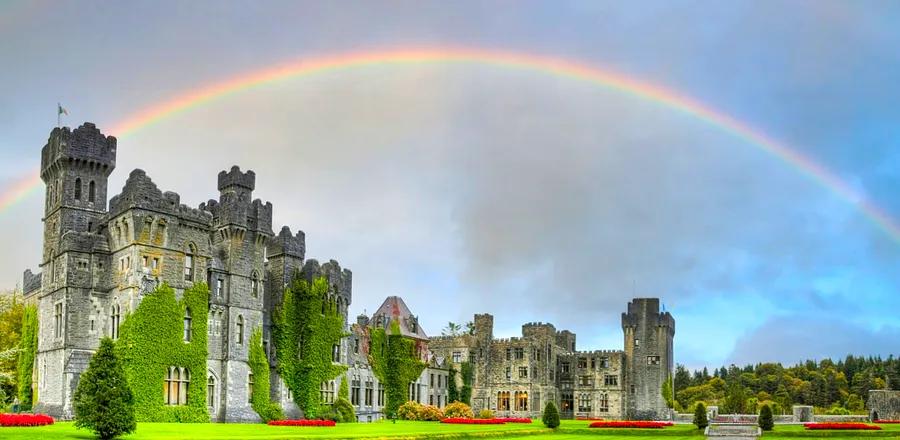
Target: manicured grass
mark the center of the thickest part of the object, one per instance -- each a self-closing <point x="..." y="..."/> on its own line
<point x="569" y="430"/>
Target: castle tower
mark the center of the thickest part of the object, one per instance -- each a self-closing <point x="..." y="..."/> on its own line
<point x="649" y="335"/>
<point x="75" y="166"/>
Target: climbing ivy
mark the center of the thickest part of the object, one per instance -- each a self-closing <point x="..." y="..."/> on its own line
<point x="395" y="363"/>
<point x="465" y="394"/>
<point x="152" y="339"/>
<point x="27" y="353"/>
<point x="344" y="390"/>
<point x="259" y="366"/>
<point x="452" y="391"/>
<point x="306" y="327"/>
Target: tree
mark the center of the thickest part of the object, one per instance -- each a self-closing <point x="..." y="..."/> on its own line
<point x="27" y="353"/>
<point x="103" y="401"/>
<point x="470" y="328"/>
<point x="550" y="417"/>
<point x="766" y="421"/>
<point x="667" y="393"/>
<point x="452" y="329"/>
<point x="11" y="312"/>
<point x="700" y="419"/>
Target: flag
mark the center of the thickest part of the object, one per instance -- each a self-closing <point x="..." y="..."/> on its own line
<point x="61" y="110"/>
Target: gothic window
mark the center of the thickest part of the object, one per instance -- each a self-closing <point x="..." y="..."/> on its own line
<point x="175" y="387"/>
<point x="240" y="330"/>
<point x="78" y="189"/>
<point x="210" y="391"/>
<point x="92" y="191"/>
<point x="369" y="391"/>
<point x="503" y="401"/>
<point x="521" y="401"/>
<point x="520" y="353"/>
<point x="584" y="403"/>
<point x="354" y="390"/>
<point x="523" y="372"/>
<point x="250" y="388"/>
<point x="115" y="318"/>
<point x="603" y="403"/>
<point x="326" y="390"/>
<point x="457" y="356"/>
<point x="189" y="264"/>
<point x="380" y="394"/>
<point x="586" y="381"/>
<point x="58" y="320"/>
<point x="564" y="367"/>
<point x="254" y="285"/>
<point x="187" y="325"/>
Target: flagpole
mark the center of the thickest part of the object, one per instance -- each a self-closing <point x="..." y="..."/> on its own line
<point x="58" y="114"/>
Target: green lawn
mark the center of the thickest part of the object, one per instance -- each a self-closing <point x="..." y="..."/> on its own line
<point x="570" y="430"/>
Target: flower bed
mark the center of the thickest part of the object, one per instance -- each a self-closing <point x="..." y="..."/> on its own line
<point x="301" y="423"/>
<point x="887" y="421"/>
<point x="841" y="426"/>
<point x="590" y="418"/>
<point x="465" y="421"/>
<point x="629" y="424"/>
<point x="514" y="419"/>
<point x="25" y="420"/>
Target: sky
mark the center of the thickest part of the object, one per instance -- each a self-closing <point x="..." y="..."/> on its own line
<point x="468" y="188"/>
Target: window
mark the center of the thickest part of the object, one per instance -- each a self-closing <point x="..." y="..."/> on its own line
<point x="210" y="391"/>
<point x="370" y="389"/>
<point x="611" y="380"/>
<point x="508" y="373"/>
<point x="115" y="318"/>
<point x="637" y="342"/>
<point x="254" y="285"/>
<point x="604" y="362"/>
<point x="457" y="356"/>
<point x="327" y="392"/>
<point x="431" y="384"/>
<point x="354" y="390"/>
<point x="652" y="360"/>
<point x="187" y="325"/>
<point x="155" y="264"/>
<point x="356" y="346"/>
<point x="145" y="262"/>
<point x="564" y="367"/>
<point x="250" y="388"/>
<point x="380" y="394"/>
<point x="58" y="320"/>
<point x="240" y="330"/>
<point x="503" y="401"/>
<point x="586" y="381"/>
<point x="189" y="264"/>
<point x="78" y="189"/>
<point x="220" y="286"/>
<point x="508" y="354"/>
<point x="520" y="353"/>
<point x="175" y="388"/>
<point x="584" y="402"/>
<point x="92" y="191"/>
<point x="593" y="364"/>
<point x="431" y="399"/>
<point x="523" y="372"/>
<point x="582" y="362"/>
<point x="335" y="353"/>
<point x="603" y="404"/>
<point x="521" y="401"/>
<point x="632" y="389"/>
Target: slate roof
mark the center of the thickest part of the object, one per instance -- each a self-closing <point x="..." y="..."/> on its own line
<point x="395" y="309"/>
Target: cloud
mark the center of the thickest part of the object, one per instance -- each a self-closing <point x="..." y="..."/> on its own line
<point x="796" y="338"/>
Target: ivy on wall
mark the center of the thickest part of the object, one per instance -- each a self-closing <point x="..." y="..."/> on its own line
<point x="151" y="339"/>
<point x="27" y="353"/>
<point x="306" y="327"/>
<point x="452" y="390"/>
<point x="259" y="366"/>
<point x="344" y="390"/>
<point x="395" y="363"/>
<point x="467" y="373"/>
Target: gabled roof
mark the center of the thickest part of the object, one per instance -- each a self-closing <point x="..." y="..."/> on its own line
<point x="394" y="309"/>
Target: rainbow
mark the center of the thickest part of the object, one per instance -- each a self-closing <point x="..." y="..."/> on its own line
<point x="559" y="67"/>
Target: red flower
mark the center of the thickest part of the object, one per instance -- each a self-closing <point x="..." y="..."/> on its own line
<point x="462" y="421"/>
<point x="887" y="421"/>
<point x="301" y="423"/>
<point x="841" y="426"/>
<point x="25" y="420"/>
<point x="629" y="424"/>
<point x="514" y="419"/>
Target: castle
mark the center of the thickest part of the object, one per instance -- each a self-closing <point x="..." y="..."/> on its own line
<point x="99" y="261"/>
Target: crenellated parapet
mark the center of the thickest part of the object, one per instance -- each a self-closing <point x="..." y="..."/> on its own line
<point x="288" y="244"/>
<point x="85" y="145"/>
<point x="236" y="207"/>
<point x="31" y="282"/>
<point x="340" y="280"/>
<point x="141" y="192"/>
<point x="236" y="178"/>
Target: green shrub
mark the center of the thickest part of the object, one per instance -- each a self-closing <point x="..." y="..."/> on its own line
<point x="700" y="419"/>
<point x="345" y="408"/>
<point x="838" y="410"/>
<point x="260" y="400"/>
<point x="409" y="410"/>
<point x="485" y="414"/>
<point x="27" y="353"/>
<point x="550" y="416"/>
<point x="766" y="421"/>
<point x="328" y="412"/>
<point x="430" y="413"/>
<point x="458" y="409"/>
<point x="103" y="401"/>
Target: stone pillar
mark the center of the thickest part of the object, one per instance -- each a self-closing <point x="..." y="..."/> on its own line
<point x="802" y="413"/>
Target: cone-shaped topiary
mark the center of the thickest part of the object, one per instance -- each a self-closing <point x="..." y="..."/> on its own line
<point x="345" y="408"/>
<point x="700" y="419"/>
<point x="550" y="416"/>
<point x="103" y="401"/>
<point x="766" y="421"/>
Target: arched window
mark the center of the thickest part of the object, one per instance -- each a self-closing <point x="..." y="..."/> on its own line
<point x="176" y="386"/>
<point x="210" y="391"/>
<point x="503" y="401"/>
<point x="92" y="191"/>
<point x="254" y="285"/>
<point x="187" y="325"/>
<point x="78" y="189"/>
<point x="189" y="263"/>
<point x="240" y="330"/>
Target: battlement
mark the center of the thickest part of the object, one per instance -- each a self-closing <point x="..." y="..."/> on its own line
<point x="287" y="244"/>
<point x="646" y="309"/>
<point x="140" y="192"/>
<point x="31" y="282"/>
<point x="237" y="178"/>
<point x="260" y="216"/>
<point x="340" y="280"/>
<point x="86" y="144"/>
